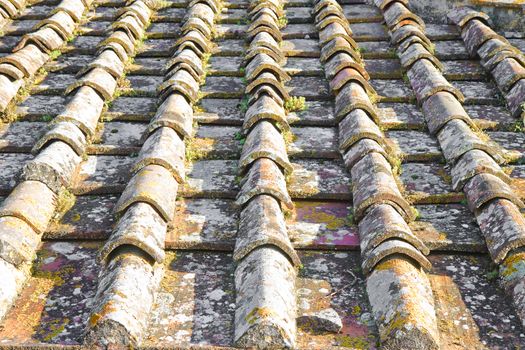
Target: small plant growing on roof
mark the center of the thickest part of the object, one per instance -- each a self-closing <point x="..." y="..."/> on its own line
<point x="518" y="126"/>
<point x="243" y="104"/>
<point x="240" y="137"/>
<point x="295" y="104"/>
<point x="282" y="22"/>
<point x="55" y="54"/>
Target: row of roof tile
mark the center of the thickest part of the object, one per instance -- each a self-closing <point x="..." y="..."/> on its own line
<point x="266" y="261"/>
<point x="393" y="257"/>
<point x="474" y="160"/>
<point x="133" y="257"/>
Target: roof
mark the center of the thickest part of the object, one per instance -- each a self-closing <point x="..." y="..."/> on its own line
<point x="260" y="174"/>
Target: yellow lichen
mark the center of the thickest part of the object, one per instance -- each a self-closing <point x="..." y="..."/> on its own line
<point x="511" y="264"/>
<point x="347" y="341"/>
<point x="65" y="201"/>
<point x="258" y="313"/>
<point x="356" y="310"/>
<point x="331" y="221"/>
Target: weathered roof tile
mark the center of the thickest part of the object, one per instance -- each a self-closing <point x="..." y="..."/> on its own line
<point x="262" y="223"/>
<point x="403" y="305"/>
<point x="356" y="126"/>
<point x="265" y="290"/>
<point x="373" y="183"/>
<point x="462" y="15"/>
<point x="507" y="73"/>
<point x="265" y="107"/>
<point x="503" y="226"/>
<point x="264" y="177"/>
<point x="66" y="132"/>
<point x="456" y="138"/>
<point x="97" y="78"/>
<point x="472" y="163"/>
<point x="397" y="15"/>
<point x="163" y="147"/>
<point x="337" y="45"/>
<point x="125" y="295"/>
<point x="516" y="97"/>
<point x="141" y="226"/>
<point x="382" y="223"/>
<point x="83" y="110"/>
<point x="415" y="52"/>
<point x="55" y="166"/>
<point x="152" y="184"/>
<point x="392" y="247"/>
<point x="28" y="59"/>
<point x="341" y="61"/>
<point x="264" y="141"/>
<point x="107" y="60"/>
<point x="19" y="242"/>
<point x="352" y="97"/>
<point x="175" y="112"/>
<point x="360" y="149"/>
<point x="485" y="187"/>
<point x="442" y="107"/>
<point x="347" y="75"/>
<point x="426" y="80"/>
<point x="475" y="33"/>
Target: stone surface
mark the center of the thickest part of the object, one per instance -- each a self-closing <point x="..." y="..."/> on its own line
<point x="140" y="226"/>
<point x="261" y="223"/>
<point x="325" y="320"/>
<point x="266" y="308"/>
<point x="403" y="305"/>
<point x="55" y="166"/>
<point x="152" y="184"/>
<point x="465" y="285"/>
<point x="264" y="177"/>
<point x="374" y="183"/>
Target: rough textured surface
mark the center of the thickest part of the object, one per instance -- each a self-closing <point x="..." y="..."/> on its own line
<point x="53" y="275"/>
<point x="403" y="302"/>
<point x="265" y="287"/>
